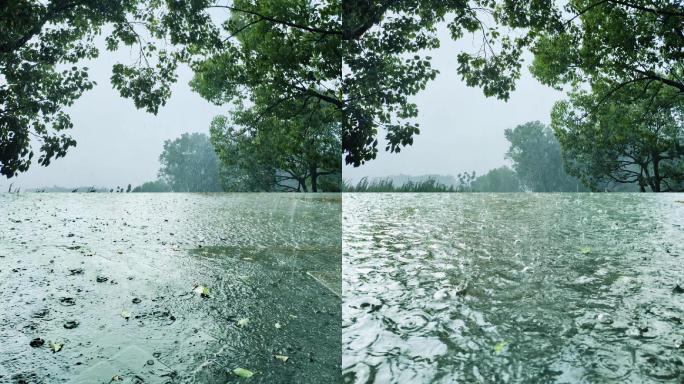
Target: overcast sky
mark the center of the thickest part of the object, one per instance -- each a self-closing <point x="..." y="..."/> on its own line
<point x="461" y="129"/>
<point x="118" y="144"/>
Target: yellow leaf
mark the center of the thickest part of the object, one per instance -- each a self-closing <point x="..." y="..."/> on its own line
<point x="499" y="347"/>
<point x="56" y="347"/>
<point x="246" y="373"/>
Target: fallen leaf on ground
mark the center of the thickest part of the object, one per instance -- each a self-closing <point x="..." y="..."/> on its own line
<point x="201" y="290"/>
<point x="278" y="325"/>
<point x="585" y="250"/>
<point x="56" y="347"/>
<point x="282" y="358"/>
<point x="241" y="372"/>
<point x="242" y="322"/>
<point x="499" y="347"/>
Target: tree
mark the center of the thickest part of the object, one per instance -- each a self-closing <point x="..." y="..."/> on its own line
<point x="630" y="140"/>
<point x="612" y="44"/>
<point x="262" y="153"/>
<point x="383" y="45"/>
<point x="41" y="44"/>
<point x="189" y="164"/>
<point x="502" y="179"/>
<point x="272" y="51"/>
<point x="280" y="66"/>
<point x="537" y="160"/>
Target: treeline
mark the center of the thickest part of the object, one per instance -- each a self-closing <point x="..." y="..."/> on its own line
<point x="539" y="164"/>
<point x="237" y="161"/>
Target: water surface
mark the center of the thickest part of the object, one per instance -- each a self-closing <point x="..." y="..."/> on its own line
<point x="99" y="258"/>
<point x="520" y="288"/>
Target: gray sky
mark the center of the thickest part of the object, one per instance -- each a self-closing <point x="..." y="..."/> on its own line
<point x="461" y="129"/>
<point x="118" y="144"/>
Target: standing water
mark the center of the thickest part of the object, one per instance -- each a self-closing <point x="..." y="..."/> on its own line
<point x="523" y="288"/>
<point x="99" y="288"/>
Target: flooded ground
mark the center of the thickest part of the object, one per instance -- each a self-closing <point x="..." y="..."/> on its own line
<point x="111" y="280"/>
<point x="523" y="288"/>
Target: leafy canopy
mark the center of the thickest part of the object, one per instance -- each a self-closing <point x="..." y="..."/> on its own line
<point x="633" y="139"/>
<point x="272" y="153"/>
<point x="384" y="61"/>
<point x="42" y="44"/>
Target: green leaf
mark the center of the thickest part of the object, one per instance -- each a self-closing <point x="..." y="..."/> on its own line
<point x="241" y="372"/>
<point x="201" y="290"/>
<point x="499" y="347"/>
<point x="585" y="250"/>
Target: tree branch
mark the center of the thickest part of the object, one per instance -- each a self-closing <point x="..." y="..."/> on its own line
<point x="278" y="21"/>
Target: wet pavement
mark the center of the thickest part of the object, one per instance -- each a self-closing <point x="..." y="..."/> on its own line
<point x="115" y="283"/>
<point x="513" y="288"/>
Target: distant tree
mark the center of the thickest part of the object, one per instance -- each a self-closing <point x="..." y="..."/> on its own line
<point x="537" y="160"/>
<point x="128" y="189"/>
<point x="464" y="182"/>
<point x="634" y="138"/>
<point x="502" y="179"/>
<point x="189" y="164"/>
<point x="153" y="186"/>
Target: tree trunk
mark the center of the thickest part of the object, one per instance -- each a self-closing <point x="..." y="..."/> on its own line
<point x="649" y="179"/>
<point x="642" y="183"/>
<point x="656" y="172"/>
<point x="314" y="178"/>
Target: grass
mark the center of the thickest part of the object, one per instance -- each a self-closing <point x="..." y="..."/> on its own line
<point x="386" y="185"/>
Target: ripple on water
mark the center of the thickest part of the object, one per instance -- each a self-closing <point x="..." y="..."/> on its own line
<point x="559" y="288"/>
